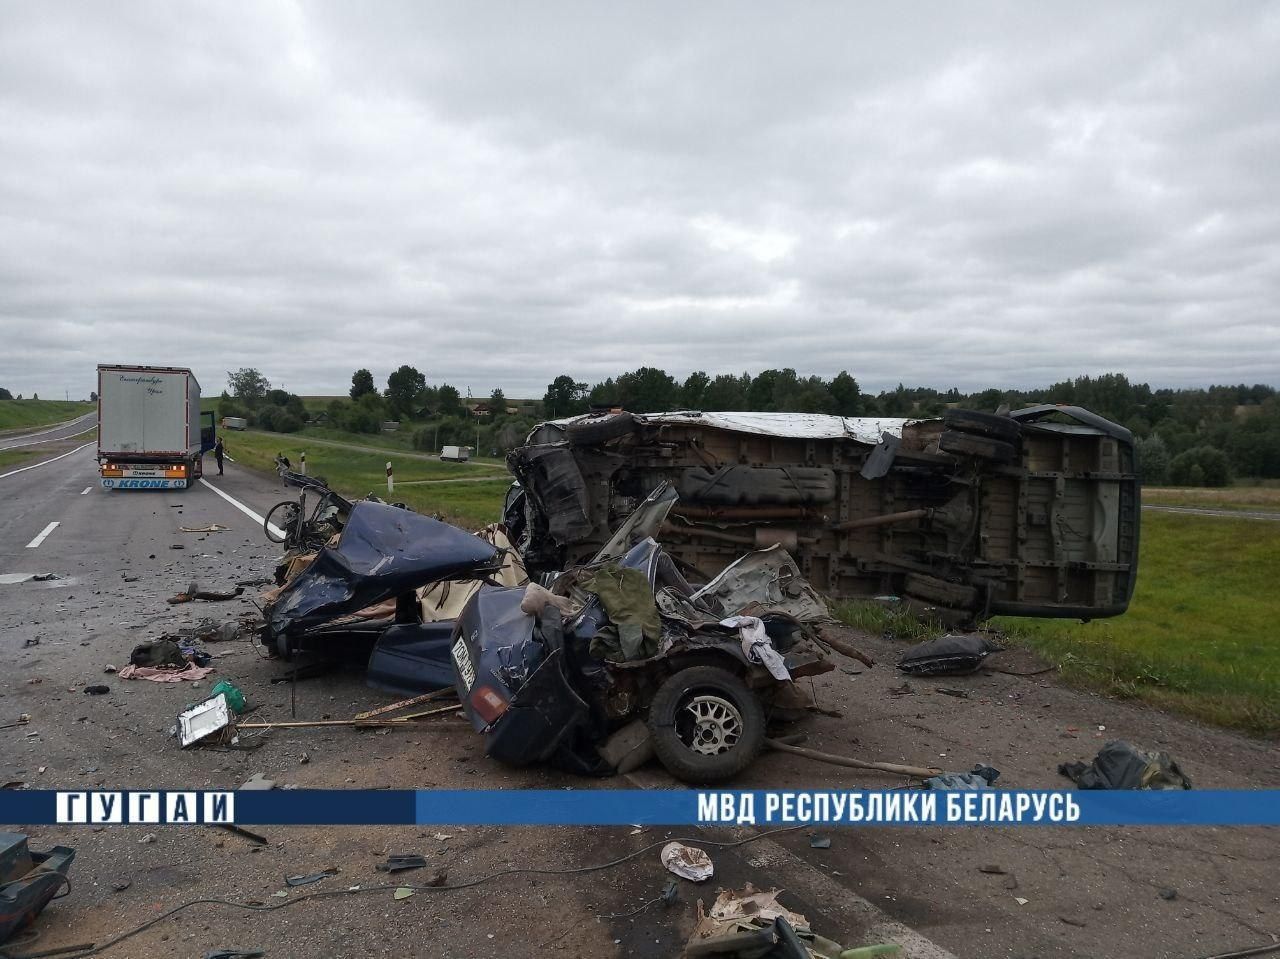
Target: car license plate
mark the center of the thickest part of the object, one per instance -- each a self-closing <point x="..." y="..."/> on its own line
<point x="462" y="659"/>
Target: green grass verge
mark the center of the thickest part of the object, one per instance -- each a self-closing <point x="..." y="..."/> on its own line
<point x="1199" y="636"/>
<point x="19" y="414"/>
<point x="16" y="457"/>
<point x="473" y="502"/>
<point x="1253" y="498"/>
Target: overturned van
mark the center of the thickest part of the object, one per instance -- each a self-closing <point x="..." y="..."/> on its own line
<point x="1031" y="513"/>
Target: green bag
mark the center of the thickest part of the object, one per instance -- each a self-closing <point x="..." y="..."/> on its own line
<point x="235" y="698"/>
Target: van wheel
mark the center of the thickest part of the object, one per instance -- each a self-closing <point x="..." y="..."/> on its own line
<point x="939" y="591"/>
<point x="707" y="726"/>
<point x="983" y="424"/>
<point x="599" y="429"/>
<point x="983" y="447"/>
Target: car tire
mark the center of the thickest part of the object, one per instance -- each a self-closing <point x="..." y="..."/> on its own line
<point x="719" y="746"/>
<point x="599" y="429"/>
<point x="934" y="590"/>
<point x="983" y="424"/>
<point x="983" y="447"/>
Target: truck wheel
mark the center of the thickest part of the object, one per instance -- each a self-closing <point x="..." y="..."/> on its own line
<point x="285" y="517"/>
<point x="983" y="447"/>
<point x="599" y="429"/>
<point x="707" y="726"/>
<point x="983" y="424"/>
<point x="939" y="591"/>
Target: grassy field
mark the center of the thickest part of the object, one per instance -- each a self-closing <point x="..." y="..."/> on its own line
<point x="20" y="414"/>
<point x="1255" y="498"/>
<point x="1199" y="638"/>
<point x="469" y="496"/>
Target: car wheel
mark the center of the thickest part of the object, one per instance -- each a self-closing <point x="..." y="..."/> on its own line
<point x="599" y="429"/>
<point x="939" y="591"/>
<point x="983" y="424"/>
<point x="707" y="726"/>
<point x="983" y="447"/>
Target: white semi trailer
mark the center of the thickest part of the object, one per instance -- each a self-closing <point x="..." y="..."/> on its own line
<point x="151" y="433"/>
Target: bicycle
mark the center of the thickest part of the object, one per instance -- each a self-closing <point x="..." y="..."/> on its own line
<point x="288" y="522"/>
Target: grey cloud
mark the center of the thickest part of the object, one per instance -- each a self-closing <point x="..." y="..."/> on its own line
<point x="970" y="196"/>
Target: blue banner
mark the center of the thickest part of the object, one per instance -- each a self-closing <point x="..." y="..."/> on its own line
<point x="617" y="807"/>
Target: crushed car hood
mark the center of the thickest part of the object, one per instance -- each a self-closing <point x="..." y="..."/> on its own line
<point x="384" y="551"/>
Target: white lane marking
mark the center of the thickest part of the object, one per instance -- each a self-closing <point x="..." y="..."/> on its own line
<point x="43" y="533"/>
<point x="275" y="530"/>
<point x="69" y="436"/>
<point x="23" y="469"/>
<point x="87" y="489"/>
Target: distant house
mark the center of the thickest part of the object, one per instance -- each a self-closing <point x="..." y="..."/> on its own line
<point x="481" y="411"/>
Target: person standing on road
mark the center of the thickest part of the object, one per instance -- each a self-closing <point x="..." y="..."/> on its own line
<point x="218" y="451"/>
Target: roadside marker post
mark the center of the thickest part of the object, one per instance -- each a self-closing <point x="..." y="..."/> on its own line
<point x="304" y="462"/>
<point x="391" y="483"/>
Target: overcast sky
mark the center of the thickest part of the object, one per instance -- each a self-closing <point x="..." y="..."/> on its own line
<point x="950" y="194"/>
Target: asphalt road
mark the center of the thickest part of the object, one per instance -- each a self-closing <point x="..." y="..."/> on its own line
<point x="1087" y="892"/>
<point x="47" y="434"/>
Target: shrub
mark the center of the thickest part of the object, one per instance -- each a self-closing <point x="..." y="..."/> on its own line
<point x="1200" y="466"/>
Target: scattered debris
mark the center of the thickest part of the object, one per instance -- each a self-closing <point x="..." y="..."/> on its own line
<point x="28" y="881"/>
<point x="243" y="833"/>
<point x="1169" y="894"/>
<point x="992" y="870"/>
<point x="194" y="592"/>
<point x="1122" y="765"/>
<point x="258" y="781"/>
<point x="202" y="720"/>
<point x="235" y="954"/>
<point x="120" y="885"/>
<point x="819" y="842"/>
<point x="164" y="674"/>
<point x="22" y="720"/>
<point x="404" y="892"/>
<point x="211" y="528"/>
<point x="953" y="654"/>
<point x="754" y="924"/>
<point x="307" y="879"/>
<point x="148" y="839"/>
<point x="97" y="690"/>
<point x="980" y="777"/>
<point x="849" y="761"/>
<point x="12" y="579"/>
<point x="687" y="862"/>
<point x="957" y="693"/>
<point x="401" y="721"/>
<point x="401" y="862"/>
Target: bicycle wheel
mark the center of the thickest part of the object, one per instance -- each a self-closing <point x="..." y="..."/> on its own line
<point x="283" y="517"/>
